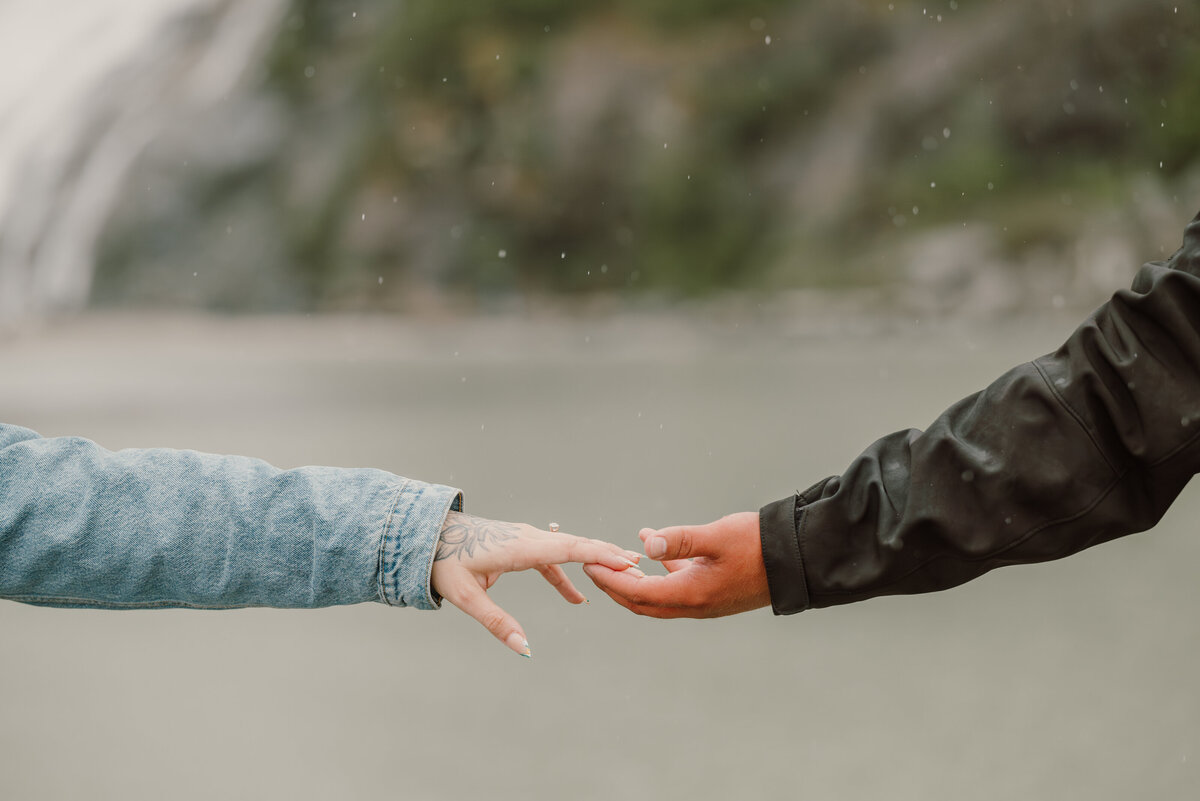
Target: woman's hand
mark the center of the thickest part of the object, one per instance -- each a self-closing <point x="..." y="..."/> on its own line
<point x="474" y="551"/>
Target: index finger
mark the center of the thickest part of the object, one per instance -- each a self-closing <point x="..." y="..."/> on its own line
<point x="472" y="599"/>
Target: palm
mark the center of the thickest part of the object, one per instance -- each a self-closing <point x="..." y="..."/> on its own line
<point x="713" y="570"/>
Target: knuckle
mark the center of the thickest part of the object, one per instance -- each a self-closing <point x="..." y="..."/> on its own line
<point x="686" y="543"/>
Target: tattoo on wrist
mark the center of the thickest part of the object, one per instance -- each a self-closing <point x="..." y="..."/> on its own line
<point x="462" y="534"/>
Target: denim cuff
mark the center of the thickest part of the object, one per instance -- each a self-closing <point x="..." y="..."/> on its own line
<point x="410" y="537"/>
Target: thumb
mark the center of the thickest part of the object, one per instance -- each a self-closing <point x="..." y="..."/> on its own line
<point x="680" y="542"/>
<point x="472" y="599"/>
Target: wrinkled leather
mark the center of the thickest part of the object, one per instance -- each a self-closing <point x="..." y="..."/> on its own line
<point x="1081" y="446"/>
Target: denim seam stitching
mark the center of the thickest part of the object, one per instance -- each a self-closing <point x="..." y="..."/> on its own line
<point x="383" y="560"/>
<point x="429" y="592"/>
<point x="403" y="526"/>
<point x="92" y="602"/>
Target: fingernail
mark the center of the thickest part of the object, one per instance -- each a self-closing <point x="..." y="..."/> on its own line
<point x="519" y="644"/>
<point x="656" y="548"/>
<point x="635" y="572"/>
<point x="586" y="601"/>
<point x="632" y="556"/>
<point x="630" y="562"/>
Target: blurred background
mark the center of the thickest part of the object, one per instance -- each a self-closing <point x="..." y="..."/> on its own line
<point x="613" y="264"/>
<point x="299" y="156"/>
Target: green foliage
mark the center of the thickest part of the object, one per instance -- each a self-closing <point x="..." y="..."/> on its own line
<point x="662" y="145"/>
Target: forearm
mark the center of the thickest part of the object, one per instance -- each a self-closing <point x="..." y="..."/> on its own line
<point x="1086" y="444"/>
<point x="83" y="526"/>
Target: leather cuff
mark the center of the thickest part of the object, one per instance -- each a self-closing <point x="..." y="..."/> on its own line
<point x="781" y="556"/>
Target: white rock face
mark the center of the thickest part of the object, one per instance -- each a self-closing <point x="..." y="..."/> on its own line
<point x="84" y="86"/>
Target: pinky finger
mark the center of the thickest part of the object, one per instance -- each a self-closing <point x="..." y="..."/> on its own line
<point x="559" y="581"/>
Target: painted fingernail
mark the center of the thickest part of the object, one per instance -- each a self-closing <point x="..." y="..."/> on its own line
<point x="633" y="556"/>
<point x="656" y="548"/>
<point x="519" y="644"/>
<point x="586" y="601"/>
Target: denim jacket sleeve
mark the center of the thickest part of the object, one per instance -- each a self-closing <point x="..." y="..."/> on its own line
<point x="1088" y="443"/>
<point x="81" y="526"/>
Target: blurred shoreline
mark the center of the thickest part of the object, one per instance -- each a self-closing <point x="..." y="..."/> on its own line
<point x="560" y="330"/>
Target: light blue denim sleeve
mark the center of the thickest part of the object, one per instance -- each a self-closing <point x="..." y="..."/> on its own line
<point x="83" y="526"/>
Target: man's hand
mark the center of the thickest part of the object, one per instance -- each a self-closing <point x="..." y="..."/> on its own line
<point x="473" y="552"/>
<point x="714" y="570"/>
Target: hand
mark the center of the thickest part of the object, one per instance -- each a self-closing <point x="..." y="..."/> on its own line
<point x="714" y="570"/>
<point x="474" y="551"/>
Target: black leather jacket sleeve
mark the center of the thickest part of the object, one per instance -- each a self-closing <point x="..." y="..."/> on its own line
<point x="1086" y="444"/>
